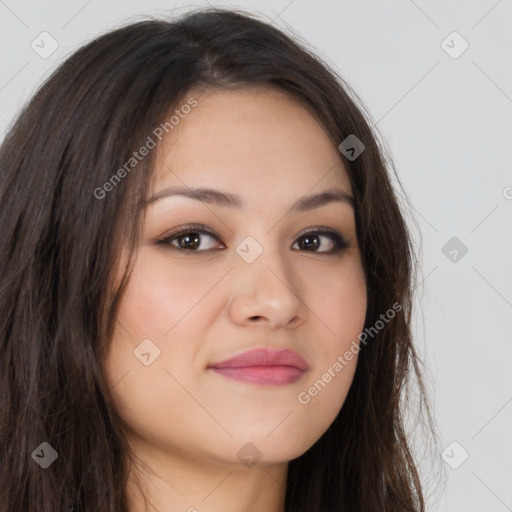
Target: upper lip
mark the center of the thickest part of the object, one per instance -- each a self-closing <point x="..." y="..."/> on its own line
<point x="264" y="357"/>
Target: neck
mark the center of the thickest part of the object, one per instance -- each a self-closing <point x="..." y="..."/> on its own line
<point x="171" y="484"/>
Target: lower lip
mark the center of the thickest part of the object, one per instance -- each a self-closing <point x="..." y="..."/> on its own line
<point x="263" y="375"/>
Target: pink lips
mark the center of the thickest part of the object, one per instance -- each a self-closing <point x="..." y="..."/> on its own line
<point x="264" y="366"/>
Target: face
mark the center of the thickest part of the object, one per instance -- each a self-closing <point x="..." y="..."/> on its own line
<point x="214" y="279"/>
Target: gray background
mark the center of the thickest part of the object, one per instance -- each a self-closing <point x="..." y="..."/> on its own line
<point x="448" y="123"/>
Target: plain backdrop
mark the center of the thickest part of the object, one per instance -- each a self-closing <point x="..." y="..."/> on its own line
<point x="442" y="101"/>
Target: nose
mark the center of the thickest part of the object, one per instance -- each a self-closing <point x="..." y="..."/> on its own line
<point x="265" y="293"/>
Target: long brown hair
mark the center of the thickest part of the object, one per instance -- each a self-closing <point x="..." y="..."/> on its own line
<point x="61" y="244"/>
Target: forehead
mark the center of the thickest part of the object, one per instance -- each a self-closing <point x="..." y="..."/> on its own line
<point x="257" y="140"/>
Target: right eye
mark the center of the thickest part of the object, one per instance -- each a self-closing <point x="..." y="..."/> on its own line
<point x="188" y="239"/>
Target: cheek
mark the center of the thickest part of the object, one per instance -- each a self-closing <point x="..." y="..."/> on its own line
<point x="340" y="303"/>
<point x="338" y="300"/>
<point x="160" y="296"/>
<point x="161" y="304"/>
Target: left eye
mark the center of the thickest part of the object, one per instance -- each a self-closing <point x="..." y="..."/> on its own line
<point x="313" y="240"/>
<point x="188" y="240"/>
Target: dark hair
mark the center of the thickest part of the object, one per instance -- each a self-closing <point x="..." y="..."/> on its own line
<point x="61" y="246"/>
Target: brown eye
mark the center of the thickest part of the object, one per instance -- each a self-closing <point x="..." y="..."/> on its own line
<point x="189" y="239"/>
<point x="312" y="240"/>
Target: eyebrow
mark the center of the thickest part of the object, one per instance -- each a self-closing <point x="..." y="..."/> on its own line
<point x="225" y="199"/>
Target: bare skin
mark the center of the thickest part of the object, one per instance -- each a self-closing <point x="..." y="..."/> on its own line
<point x="190" y="427"/>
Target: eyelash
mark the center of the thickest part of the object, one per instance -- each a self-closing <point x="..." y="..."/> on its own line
<point x="340" y="244"/>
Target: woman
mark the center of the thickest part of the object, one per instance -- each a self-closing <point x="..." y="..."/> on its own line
<point x="206" y="283"/>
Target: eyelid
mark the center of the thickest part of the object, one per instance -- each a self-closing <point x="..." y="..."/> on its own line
<point x="195" y="227"/>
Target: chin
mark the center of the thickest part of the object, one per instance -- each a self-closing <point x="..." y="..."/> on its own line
<point x="276" y="448"/>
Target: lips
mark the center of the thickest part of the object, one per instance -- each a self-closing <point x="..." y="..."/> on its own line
<point x="264" y="367"/>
